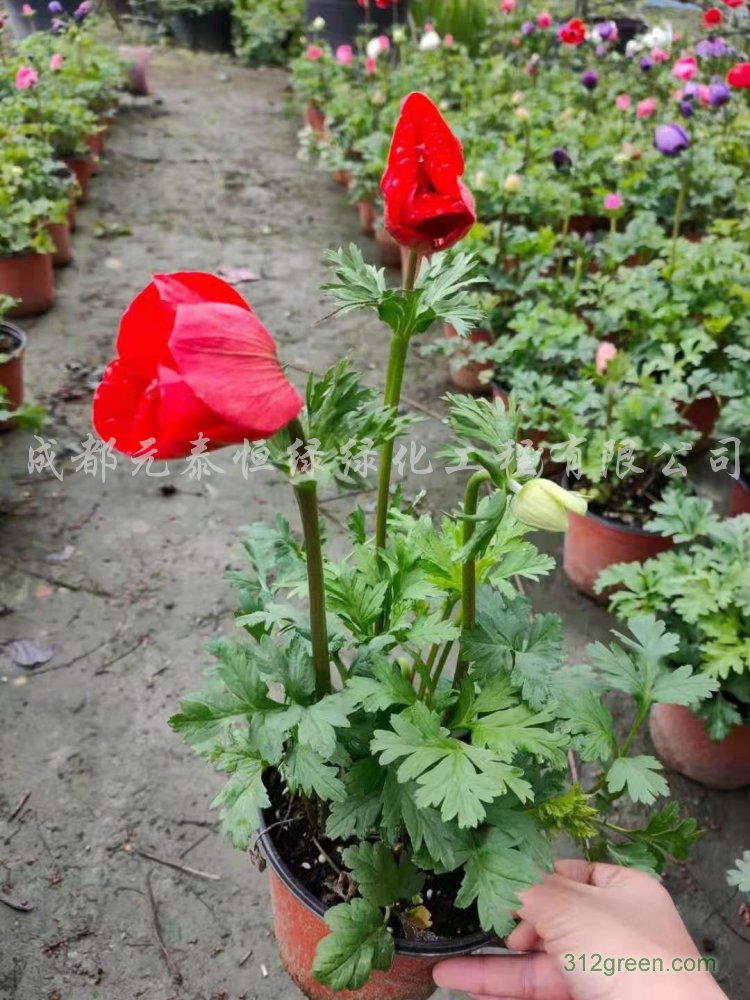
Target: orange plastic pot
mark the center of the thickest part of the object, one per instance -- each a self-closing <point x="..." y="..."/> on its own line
<point x="11" y="370"/>
<point x="388" y="249"/>
<point x="72" y="215"/>
<point x="83" y="167"/>
<point x="28" y="277"/>
<point x="315" y="118"/>
<point x="343" y="178"/>
<point x="702" y="414"/>
<point x="684" y="746"/>
<point x="367" y="217"/>
<point x="593" y="543"/>
<point x="740" y="502"/>
<point x="95" y="143"/>
<point x="59" y="233"/>
<point x="466" y="375"/>
<point x="299" y="926"/>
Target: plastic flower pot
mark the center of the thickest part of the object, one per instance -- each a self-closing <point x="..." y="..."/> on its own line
<point x="72" y="215"/>
<point x="388" y="249"/>
<point x="299" y="926"/>
<point x="740" y="502"/>
<point x="466" y="375"/>
<point x="343" y="178"/>
<point x="367" y="217"/>
<point x="83" y="167"/>
<point x="59" y="233"/>
<point x="345" y="19"/>
<point x="702" y="414"/>
<point x="592" y="543"/>
<point x="210" y="31"/>
<point x="12" y="349"/>
<point x="95" y="143"/>
<point x="315" y="118"/>
<point x="136" y="59"/>
<point x="683" y="745"/>
<point x="28" y="277"/>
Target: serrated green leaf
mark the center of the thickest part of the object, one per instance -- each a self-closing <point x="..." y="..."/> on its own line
<point x="518" y="729"/>
<point x="358" y="812"/>
<point x="381" y="878"/>
<point x="386" y="688"/>
<point x="243" y="796"/>
<point x="359" y="943"/>
<point x="307" y="772"/>
<point x="318" y="722"/>
<point x="587" y="717"/>
<point x="640" y="776"/>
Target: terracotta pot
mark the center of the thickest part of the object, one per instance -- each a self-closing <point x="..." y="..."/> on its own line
<point x="740" y="501"/>
<point x="388" y="248"/>
<point x="702" y="414"/>
<point x="343" y="178"/>
<point x="95" y="143"/>
<point x="593" y="543"/>
<point x="299" y="926"/>
<point x="60" y="235"/>
<point x="11" y="370"/>
<point x="466" y="374"/>
<point x="315" y="118"/>
<point x="83" y="167"/>
<point x="367" y="217"/>
<point x="684" y="746"/>
<point x="30" y="278"/>
<point x="136" y="59"/>
<point x="72" y="216"/>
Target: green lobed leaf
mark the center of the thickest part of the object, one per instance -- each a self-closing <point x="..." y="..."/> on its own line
<point x="740" y="875"/>
<point x="243" y="796"/>
<point x="359" y="942"/>
<point x="381" y="878"/>
<point x="640" y="776"/>
<point x="307" y="772"/>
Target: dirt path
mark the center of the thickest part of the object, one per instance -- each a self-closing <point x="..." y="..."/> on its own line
<point x="122" y="579"/>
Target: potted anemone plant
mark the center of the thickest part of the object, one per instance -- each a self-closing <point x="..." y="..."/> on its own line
<point x="400" y="742"/>
<point x="699" y="589"/>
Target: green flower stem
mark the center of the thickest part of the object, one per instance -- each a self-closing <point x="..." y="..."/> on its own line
<point x="679" y="208"/>
<point x="563" y="241"/>
<point x="393" y="383"/>
<point x="307" y="501"/>
<point x="469" y="568"/>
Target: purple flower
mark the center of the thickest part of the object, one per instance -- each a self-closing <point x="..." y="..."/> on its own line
<point x="718" y="94"/>
<point x="690" y="90"/>
<point x="686" y="108"/>
<point x="83" y="10"/>
<point x="528" y="28"/>
<point x="601" y="51"/>
<point x="671" y="140"/>
<point x="55" y="7"/>
<point x="646" y="64"/>
<point x="561" y="159"/>
<point x="607" y="30"/>
<point x="590" y="79"/>
<point x="711" y="48"/>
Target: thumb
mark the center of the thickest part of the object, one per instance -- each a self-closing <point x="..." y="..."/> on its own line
<point x="549" y="904"/>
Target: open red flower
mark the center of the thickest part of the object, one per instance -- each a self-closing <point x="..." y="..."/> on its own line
<point x="193" y="361"/>
<point x="734" y="4"/>
<point x="427" y="205"/>
<point x="574" y="32"/>
<point x="739" y="76"/>
<point x="713" y="17"/>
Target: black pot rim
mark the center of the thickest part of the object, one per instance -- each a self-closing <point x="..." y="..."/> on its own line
<point x="611" y="522"/>
<point x="20" y="336"/>
<point x="431" y="949"/>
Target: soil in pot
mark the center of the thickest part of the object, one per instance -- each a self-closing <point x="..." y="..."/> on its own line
<point x="740" y="502"/>
<point x="12" y="348"/>
<point x="83" y="167"/>
<point x="30" y="278"/>
<point x="304" y="883"/>
<point x="60" y="235"/>
<point x="684" y="745"/>
<point x="467" y="375"/>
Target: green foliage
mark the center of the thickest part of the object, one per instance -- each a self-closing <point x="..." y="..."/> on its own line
<point x="267" y="31"/>
<point x="740" y="875"/>
<point x="359" y="942"/>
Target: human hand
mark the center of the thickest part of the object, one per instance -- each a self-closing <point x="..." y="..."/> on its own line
<point x="581" y="911"/>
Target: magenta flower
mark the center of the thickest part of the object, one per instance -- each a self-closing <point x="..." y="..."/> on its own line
<point x="645" y="108"/>
<point x="27" y="10"/>
<point x="671" y="140"/>
<point x="371" y="66"/>
<point x="605" y="352"/>
<point x="613" y="202"/>
<point x="623" y="102"/>
<point x="384" y="43"/>
<point x="345" y="55"/>
<point x="659" y="55"/>
<point x="56" y="62"/>
<point x="26" y="77"/>
<point x="544" y="20"/>
<point x="508" y="6"/>
<point x="685" y="68"/>
<point x="83" y="10"/>
<point x="314" y="52"/>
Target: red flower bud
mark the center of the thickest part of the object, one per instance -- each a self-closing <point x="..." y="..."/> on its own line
<point x="193" y="359"/>
<point x="427" y="206"/>
<point x="739" y="76"/>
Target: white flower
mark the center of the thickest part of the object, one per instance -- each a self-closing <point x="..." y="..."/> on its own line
<point x="430" y="40"/>
<point x="318" y="24"/>
<point x="399" y="36"/>
<point x="373" y="48"/>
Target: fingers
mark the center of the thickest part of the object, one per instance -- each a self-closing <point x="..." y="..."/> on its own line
<point x="523" y="937"/>
<point x="527" y="977"/>
<point x="590" y="872"/>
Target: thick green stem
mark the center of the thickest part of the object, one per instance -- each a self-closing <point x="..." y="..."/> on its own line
<point x="393" y="381"/>
<point x="307" y="501"/>
<point x="469" y="568"/>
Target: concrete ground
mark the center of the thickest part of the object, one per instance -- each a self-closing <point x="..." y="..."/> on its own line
<point x="122" y="579"/>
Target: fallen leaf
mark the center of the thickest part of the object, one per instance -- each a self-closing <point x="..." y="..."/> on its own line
<point x="237" y="275"/>
<point x="27" y="654"/>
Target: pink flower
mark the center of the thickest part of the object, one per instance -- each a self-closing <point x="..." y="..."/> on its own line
<point x="448" y="40"/>
<point x="704" y="95"/>
<point x="685" y="68"/>
<point x="544" y="20"/>
<point x="344" y="54"/>
<point x="623" y="102"/>
<point x="56" y="62"/>
<point x="605" y="352"/>
<point x="371" y="66"/>
<point x="613" y="202"/>
<point x="659" y="55"/>
<point x="314" y="52"/>
<point x="384" y="43"/>
<point x="508" y="6"/>
<point x="645" y="108"/>
<point x="26" y="77"/>
<point x="27" y="10"/>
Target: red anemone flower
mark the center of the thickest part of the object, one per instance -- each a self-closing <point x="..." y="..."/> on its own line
<point x="427" y="205"/>
<point x="574" y="32"/>
<point x="734" y="4"/>
<point x="713" y="17"/>
<point x="194" y="361"/>
<point x="739" y="76"/>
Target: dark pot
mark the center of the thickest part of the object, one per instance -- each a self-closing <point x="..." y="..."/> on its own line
<point x="345" y="19"/>
<point x="740" y="503"/>
<point x="42" y="19"/>
<point x="11" y="370"/>
<point x="207" y="32"/>
<point x="593" y="543"/>
<point x="702" y="414"/>
<point x="299" y="926"/>
<point x="684" y="746"/>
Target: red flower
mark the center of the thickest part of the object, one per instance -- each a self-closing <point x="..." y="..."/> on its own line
<point x="193" y="359"/>
<point x="739" y="76"/>
<point x="574" y="32"/>
<point x="734" y="4"/>
<point x="427" y="206"/>
<point x="713" y="17"/>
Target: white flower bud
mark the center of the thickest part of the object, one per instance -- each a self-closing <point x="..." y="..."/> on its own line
<point x="542" y="504"/>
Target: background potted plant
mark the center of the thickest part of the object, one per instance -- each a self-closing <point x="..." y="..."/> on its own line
<point x="14" y="410"/>
<point x="699" y="589"/>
